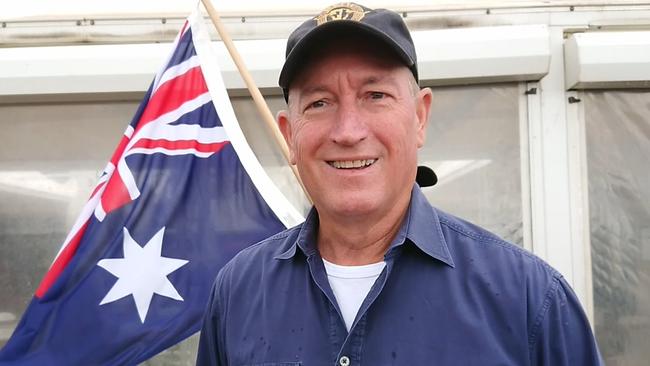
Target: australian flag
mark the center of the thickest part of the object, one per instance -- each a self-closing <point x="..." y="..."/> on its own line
<point x="181" y="195"/>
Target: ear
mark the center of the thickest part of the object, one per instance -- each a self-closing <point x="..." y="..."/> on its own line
<point x="285" y="128"/>
<point x="422" y="110"/>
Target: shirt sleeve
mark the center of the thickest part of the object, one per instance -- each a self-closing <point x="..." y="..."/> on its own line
<point x="211" y="345"/>
<point x="562" y="335"/>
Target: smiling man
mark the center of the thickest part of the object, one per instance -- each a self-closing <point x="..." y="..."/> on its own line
<point x="375" y="275"/>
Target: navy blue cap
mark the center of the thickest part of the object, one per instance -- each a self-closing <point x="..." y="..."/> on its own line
<point x="383" y="25"/>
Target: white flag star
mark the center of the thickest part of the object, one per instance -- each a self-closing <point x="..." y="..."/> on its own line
<point x="141" y="273"/>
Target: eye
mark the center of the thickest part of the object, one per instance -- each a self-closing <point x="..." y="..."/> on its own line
<point x="317" y="104"/>
<point x="377" y="95"/>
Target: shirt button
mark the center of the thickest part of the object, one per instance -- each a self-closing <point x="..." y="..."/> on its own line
<point x="344" y="361"/>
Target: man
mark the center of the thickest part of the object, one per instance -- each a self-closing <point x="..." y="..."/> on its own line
<point x="375" y="275"/>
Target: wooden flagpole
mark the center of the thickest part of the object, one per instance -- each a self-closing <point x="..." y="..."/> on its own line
<point x="260" y="103"/>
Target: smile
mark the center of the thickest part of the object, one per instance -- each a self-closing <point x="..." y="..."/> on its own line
<point x="351" y="164"/>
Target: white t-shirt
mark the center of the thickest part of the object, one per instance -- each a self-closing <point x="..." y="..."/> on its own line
<point x="351" y="285"/>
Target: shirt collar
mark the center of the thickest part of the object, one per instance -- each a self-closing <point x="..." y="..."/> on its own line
<point x="306" y="240"/>
<point x="421" y="227"/>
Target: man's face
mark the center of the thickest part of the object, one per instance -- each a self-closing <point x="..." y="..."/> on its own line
<point x="355" y="122"/>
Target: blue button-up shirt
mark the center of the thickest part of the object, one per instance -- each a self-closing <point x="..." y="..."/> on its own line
<point x="451" y="294"/>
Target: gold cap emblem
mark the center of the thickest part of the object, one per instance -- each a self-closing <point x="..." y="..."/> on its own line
<point x="343" y="11"/>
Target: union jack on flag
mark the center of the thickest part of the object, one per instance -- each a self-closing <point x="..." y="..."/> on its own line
<point x="181" y="195"/>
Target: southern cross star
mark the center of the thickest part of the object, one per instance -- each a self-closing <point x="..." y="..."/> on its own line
<point x="142" y="272"/>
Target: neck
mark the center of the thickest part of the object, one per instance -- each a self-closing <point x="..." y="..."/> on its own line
<point x="359" y="240"/>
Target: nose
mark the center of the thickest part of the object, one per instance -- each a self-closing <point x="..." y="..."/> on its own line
<point x="350" y="127"/>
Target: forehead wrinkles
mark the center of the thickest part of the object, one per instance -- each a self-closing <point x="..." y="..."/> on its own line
<point x="345" y="45"/>
<point x="347" y="78"/>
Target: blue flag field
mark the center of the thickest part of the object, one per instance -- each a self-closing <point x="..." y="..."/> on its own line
<point x="181" y="195"/>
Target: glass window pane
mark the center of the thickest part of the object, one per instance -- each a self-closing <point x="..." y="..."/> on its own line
<point x="618" y="156"/>
<point x="473" y="146"/>
<point x="50" y="159"/>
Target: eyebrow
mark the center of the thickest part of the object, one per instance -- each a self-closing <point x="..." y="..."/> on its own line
<point x="370" y="80"/>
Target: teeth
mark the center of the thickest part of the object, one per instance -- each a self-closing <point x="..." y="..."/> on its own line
<point x="352" y="164"/>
